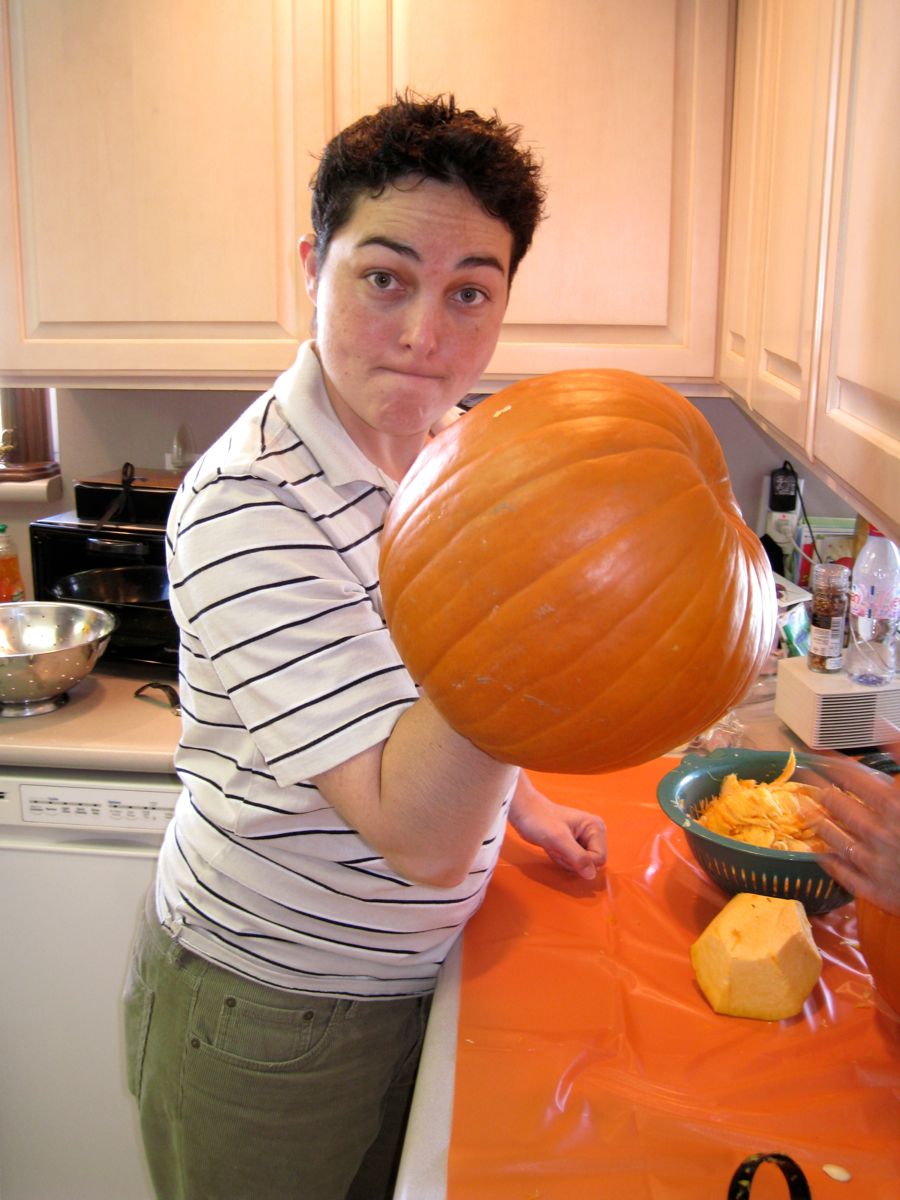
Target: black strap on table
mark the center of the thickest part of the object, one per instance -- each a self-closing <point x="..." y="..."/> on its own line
<point x="742" y="1180"/>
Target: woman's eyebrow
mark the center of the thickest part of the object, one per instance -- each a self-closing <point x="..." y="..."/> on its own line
<point x="471" y="260"/>
<point x="482" y="260"/>
<point x="378" y="239"/>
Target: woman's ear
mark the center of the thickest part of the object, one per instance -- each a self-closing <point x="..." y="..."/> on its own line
<point x="310" y="263"/>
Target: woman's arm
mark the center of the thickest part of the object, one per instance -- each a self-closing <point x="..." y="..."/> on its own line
<point x="425" y="799"/>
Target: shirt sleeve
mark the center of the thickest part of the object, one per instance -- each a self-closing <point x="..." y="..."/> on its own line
<point x="283" y="613"/>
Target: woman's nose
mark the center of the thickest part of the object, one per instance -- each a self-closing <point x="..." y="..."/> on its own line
<point x="422" y="325"/>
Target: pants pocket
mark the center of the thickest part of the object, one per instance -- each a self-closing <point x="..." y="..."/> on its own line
<point x="264" y="1037"/>
<point x="138" y="1006"/>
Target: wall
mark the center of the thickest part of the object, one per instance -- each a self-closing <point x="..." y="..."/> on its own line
<point x="99" y="430"/>
<point x="752" y="455"/>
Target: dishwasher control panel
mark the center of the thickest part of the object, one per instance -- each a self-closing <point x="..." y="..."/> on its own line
<point x="82" y="799"/>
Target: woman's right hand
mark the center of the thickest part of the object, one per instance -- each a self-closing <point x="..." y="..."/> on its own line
<point x="862" y="829"/>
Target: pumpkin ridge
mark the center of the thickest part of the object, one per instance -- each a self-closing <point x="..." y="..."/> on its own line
<point x="571" y="564"/>
<point x="479" y="613"/>
<point x="688" y="715"/>
<point x="540" y="492"/>
<point x="661" y="418"/>
<point x="547" y="482"/>
<point x="445" y="481"/>
<point x="551" y="728"/>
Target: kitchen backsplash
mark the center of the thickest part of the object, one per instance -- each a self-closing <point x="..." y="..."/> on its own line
<point x="99" y="430"/>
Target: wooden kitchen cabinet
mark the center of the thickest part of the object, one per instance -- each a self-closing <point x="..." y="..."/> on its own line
<point x="625" y="102"/>
<point x="811" y="283"/>
<point x="154" y="161"/>
<point x="856" y="421"/>
<point x="154" y="158"/>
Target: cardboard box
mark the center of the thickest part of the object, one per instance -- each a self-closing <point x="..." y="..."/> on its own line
<point x="834" y="541"/>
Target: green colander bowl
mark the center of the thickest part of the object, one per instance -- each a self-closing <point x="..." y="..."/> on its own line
<point x="736" y="866"/>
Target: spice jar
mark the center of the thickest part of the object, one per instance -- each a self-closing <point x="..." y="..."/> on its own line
<point x="831" y="592"/>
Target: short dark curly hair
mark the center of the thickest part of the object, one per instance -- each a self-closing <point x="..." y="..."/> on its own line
<point x="430" y="137"/>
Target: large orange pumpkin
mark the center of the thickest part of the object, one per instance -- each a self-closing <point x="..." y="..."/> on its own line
<point x="567" y="576"/>
<point x="879" y="940"/>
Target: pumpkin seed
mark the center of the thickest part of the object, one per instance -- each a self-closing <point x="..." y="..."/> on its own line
<point x="840" y="1174"/>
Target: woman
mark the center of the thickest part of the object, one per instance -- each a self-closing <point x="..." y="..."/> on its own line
<point x="334" y="834"/>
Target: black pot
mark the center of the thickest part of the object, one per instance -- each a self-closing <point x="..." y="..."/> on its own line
<point x="137" y="596"/>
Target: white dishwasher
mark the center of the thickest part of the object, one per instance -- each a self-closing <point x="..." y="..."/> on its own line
<point x="77" y="853"/>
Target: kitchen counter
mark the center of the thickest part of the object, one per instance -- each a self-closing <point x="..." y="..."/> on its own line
<point x="102" y="727"/>
<point x="569" y="1043"/>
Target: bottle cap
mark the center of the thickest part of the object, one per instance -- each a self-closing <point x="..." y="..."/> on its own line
<point x="831" y="575"/>
<point x="2" y="529"/>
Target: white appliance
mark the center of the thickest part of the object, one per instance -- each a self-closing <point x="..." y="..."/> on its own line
<point x="77" y="853"/>
<point x="830" y="711"/>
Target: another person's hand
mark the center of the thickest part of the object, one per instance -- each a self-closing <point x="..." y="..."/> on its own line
<point x="863" y="831"/>
<point x="573" y="839"/>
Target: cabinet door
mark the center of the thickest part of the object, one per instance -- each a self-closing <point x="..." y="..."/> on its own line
<point x="625" y="103"/>
<point x="769" y="327"/>
<point x="857" y="425"/>
<point x="739" y="323"/>
<point x="153" y="168"/>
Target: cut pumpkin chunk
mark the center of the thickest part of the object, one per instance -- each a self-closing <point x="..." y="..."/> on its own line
<point x="757" y="958"/>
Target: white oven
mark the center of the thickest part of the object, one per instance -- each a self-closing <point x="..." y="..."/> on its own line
<point x="77" y="853"/>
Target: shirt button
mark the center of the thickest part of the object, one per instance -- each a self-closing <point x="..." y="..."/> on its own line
<point x="230" y="1001"/>
<point x="195" y="1042"/>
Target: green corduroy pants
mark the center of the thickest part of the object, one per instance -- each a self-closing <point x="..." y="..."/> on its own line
<point x="248" y="1092"/>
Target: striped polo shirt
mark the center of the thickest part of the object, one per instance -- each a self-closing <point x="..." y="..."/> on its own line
<point x="286" y="670"/>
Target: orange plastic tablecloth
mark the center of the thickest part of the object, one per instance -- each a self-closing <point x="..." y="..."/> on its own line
<point x="590" y="1065"/>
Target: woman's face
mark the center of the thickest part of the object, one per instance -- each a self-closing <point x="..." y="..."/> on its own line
<point x="409" y="303"/>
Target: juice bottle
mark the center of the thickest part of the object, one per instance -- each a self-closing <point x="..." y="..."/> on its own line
<point x="12" y="587"/>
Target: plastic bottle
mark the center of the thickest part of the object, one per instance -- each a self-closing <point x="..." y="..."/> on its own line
<point x="12" y="587"/>
<point x="874" y="608"/>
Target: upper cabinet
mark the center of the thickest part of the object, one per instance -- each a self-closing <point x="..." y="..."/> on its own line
<point x="856" y="424"/>
<point x="780" y="126"/>
<point x="625" y="101"/>
<point x="154" y="160"/>
<point x="155" y="156"/>
<point x="812" y="269"/>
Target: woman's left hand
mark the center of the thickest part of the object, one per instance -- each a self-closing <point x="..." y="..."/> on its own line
<point x="573" y="839"/>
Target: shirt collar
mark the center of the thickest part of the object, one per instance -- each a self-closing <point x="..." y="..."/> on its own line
<point x="300" y="391"/>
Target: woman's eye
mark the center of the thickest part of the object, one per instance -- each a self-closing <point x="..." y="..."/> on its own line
<point x="471" y="295"/>
<point x="382" y="280"/>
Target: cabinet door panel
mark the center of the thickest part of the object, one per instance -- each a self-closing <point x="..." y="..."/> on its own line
<point x="739" y="293"/>
<point x="156" y="187"/>
<point x="624" y="102"/>
<point x="857" y="431"/>
<point x="796" y="83"/>
<point x="618" y="205"/>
